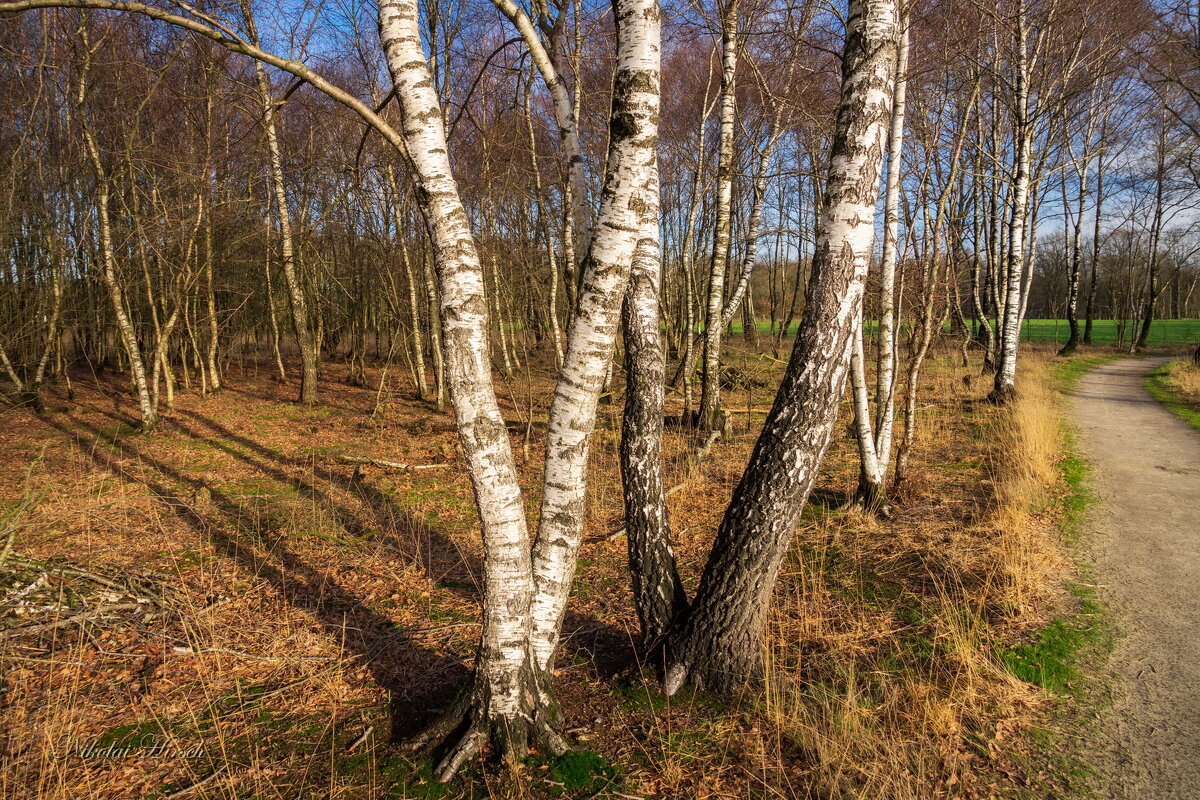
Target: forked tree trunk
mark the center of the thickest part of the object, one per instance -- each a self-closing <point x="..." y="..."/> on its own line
<point x="718" y="643"/>
<point x="875" y="446"/>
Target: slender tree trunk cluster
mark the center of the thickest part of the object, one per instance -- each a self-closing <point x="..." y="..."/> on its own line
<point x="487" y="214"/>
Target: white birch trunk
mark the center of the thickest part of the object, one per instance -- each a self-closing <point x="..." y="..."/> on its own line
<point x="108" y="260"/>
<point x="629" y="174"/>
<point x="875" y="445"/>
<point x="1006" y="372"/>
<point x="502" y="705"/>
<point x="710" y="385"/>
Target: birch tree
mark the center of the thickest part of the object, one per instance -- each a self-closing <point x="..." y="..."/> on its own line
<point x="108" y="258"/>
<point x="710" y="387"/>
<point x="875" y="440"/>
<point x="717" y="643"/>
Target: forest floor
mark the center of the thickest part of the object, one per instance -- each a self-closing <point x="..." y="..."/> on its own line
<point x="1146" y="464"/>
<point x="234" y="607"/>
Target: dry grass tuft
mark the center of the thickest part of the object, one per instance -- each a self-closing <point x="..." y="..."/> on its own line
<point x="886" y="650"/>
<point x="1184" y="377"/>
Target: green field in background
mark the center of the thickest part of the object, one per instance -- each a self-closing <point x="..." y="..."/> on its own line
<point x="1104" y="331"/>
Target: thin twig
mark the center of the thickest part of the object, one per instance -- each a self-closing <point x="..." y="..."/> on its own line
<point x="370" y="729"/>
<point x="45" y="626"/>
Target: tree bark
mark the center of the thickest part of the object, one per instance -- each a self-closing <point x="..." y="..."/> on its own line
<point x="108" y="258"/>
<point x="710" y="384"/>
<point x="657" y="591"/>
<point x="875" y="447"/>
<point x="1004" y="386"/>
<point x="717" y="643"/>
<point x="509" y="701"/>
<point x="305" y="338"/>
<point x="630" y="174"/>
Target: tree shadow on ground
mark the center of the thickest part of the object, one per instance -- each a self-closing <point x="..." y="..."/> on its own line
<point x="420" y="681"/>
<point x="417" y="678"/>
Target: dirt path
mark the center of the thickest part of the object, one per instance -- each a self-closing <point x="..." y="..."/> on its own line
<point x="1147" y="550"/>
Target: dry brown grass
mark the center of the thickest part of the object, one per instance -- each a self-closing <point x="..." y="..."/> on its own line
<point x="1183" y="377"/>
<point x="886" y="671"/>
<point x="302" y="603"/>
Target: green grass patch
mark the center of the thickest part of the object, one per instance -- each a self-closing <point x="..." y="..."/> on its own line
<point x="1065" y="373"/>
<point x="1163" y="332"/>
<point x="578" y="773"/>
<point x="1158" y="384"/>
<point x="1105" y="332"/>
<point x="1052" y="659"/>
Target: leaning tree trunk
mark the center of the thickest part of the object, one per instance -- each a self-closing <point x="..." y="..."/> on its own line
<point x="718" y="642"/>
<point x="309" y="356"/>
<point x="108" y="260"/>
<point x="545" y="60"/>
<point x="508" y="701"/>
<point x="630" y="173"/>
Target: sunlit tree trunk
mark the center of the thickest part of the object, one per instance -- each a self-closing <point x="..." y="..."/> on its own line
<point x="630" y="174"/>
<point x="305" y="337"/>
<point x="506" y="705"/>
<point x="1006" y="373"/>
<point x="875" y="446"/>
<point x="710" y="386"/>
<point x="718" y="642"/>
<point x="108" y="258"/>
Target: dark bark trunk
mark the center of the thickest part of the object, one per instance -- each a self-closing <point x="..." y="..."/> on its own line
<point x="657" y="590"/>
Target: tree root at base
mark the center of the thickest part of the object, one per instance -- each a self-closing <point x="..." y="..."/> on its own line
<point x="470" y="726"/>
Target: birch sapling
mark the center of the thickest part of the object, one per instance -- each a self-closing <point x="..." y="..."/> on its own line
<point x="710" y="385"/>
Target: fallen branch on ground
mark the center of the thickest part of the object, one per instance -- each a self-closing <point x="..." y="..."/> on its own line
<point x="46" y="626"/>
<point x="379" y="462"/>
